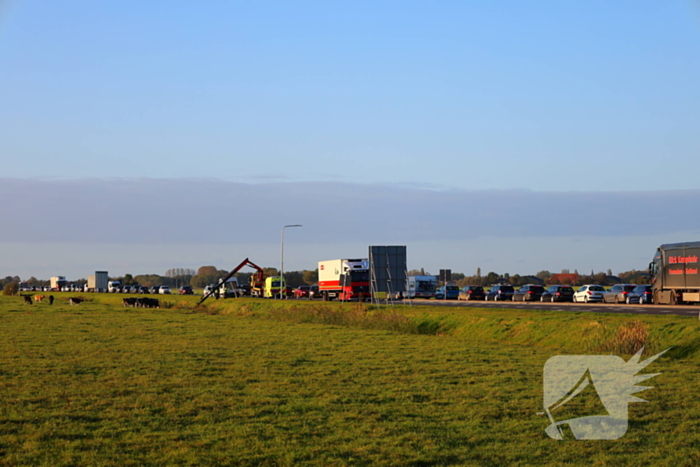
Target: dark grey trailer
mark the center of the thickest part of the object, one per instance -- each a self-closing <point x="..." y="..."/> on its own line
<point x="674" y="273"/>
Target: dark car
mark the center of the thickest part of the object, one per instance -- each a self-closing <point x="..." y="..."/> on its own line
<point x="528" y="293"/>
<point x="471" y="292"/>
<point x="500" y="293"/>
<point x="245" y="290"/>
<point x="558" y="293"/>
<point x="155" y="289"/>
<point x="618" y="293"/>
<point x="314" y="292"/>
<point x="640" y="294"/>
<point x="186" y="290"/>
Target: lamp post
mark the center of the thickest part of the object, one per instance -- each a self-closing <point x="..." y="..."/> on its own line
<point x="282" y="284"/>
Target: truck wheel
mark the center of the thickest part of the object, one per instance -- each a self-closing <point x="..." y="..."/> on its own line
<point x="325" y="296"/>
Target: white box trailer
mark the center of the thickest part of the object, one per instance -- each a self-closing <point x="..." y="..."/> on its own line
<point x="97" y="282"/>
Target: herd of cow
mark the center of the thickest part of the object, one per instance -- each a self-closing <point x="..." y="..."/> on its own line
<point x="141" y="302"/>
<point x="40" y="298"/>
<point x="134" y="302"/>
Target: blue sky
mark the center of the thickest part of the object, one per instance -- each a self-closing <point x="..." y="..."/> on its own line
<point x="479" y="100"/>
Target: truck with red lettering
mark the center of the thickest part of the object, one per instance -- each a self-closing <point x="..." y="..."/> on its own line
<point x="344" y="279"/>
<point x="674" y="273"/>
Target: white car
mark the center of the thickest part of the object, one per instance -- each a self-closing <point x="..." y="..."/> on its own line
<point x="164" y="289"/>
<point x="589" y="293"/>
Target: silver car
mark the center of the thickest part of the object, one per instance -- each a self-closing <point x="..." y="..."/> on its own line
<point x="618" y="293"/>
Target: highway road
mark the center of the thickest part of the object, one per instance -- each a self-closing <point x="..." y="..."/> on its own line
<point x="680" y="310"/>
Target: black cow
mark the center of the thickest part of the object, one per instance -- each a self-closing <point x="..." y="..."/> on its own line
<point x="148" y="302"/>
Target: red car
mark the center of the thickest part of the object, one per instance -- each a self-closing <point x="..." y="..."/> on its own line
<point x="186" y="290"/>
<point x="302" y="291"/>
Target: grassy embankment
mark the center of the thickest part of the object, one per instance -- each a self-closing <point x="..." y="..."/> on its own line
<point x="251" y="382"/>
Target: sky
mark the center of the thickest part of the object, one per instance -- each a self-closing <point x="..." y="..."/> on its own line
<point x="508" y="136"/>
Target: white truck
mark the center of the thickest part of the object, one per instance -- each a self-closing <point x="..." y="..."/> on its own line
<point x="422" y="286"/>
<point x="58" y="282"/>
<point x="344" y="279"/>
<point x="114" y="286"/>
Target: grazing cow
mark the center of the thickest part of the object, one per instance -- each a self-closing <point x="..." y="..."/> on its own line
<point x="75" y="300"/>
<point x="39" y="298"/>
<point x="27" y="299"/>
<point x="148" y="302"/>
<point x="50" y="299"/>
<point x="141" y="302"/>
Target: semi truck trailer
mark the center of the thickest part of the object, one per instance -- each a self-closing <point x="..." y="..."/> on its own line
<point x="97" y="282"/>
<point x="674" y="273"/>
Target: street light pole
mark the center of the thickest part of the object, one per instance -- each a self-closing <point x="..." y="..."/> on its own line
<point x="282" y="284"/>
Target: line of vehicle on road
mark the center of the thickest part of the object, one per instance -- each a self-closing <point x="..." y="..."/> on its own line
<point x="587" y="293"/>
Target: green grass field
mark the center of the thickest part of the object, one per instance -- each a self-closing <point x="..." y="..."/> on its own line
<point x="280" y="383"/>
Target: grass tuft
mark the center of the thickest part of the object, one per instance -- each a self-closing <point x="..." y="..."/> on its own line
<point x="627" y="339"/>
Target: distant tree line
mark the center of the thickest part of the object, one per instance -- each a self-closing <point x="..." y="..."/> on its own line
<point x="207" y="275"/>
